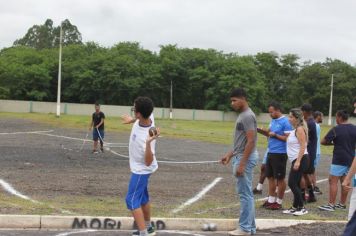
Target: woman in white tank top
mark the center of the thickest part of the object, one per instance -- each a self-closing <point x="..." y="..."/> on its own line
<point x="298" y="156"/>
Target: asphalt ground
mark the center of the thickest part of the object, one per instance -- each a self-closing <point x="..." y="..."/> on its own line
<point x="55" y="169"/>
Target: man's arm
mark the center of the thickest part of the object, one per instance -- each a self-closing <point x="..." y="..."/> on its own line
<point x="347" y="181"/>
<point x="263" y="131"/>
<point x="148" y="151"/>
<point x="250" y="136"/>
<point x="91" y="123"/>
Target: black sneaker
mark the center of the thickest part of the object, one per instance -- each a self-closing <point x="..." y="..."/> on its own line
<point x="151" y="231"/>
<point x="328" y="207"/>
<point x="256" y="191"/>
<point x="102" y="150"/>
<point x="340" y="206"/>
<point x="317" y="190"/>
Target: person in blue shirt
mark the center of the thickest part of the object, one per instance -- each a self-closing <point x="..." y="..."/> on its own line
<point x="318" y="117"/>
<point x="277" y="155"/>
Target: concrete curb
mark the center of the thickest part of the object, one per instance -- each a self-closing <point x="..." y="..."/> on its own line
<point x="126" y="223"/>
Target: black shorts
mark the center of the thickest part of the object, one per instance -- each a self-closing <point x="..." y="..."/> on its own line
<point x="311" y="166"/>
<point x="276" y="165"/>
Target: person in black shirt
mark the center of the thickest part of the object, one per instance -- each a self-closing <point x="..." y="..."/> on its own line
<point x="311" y="148"/>
<point x="97" y="123"/>
<point x="343" y="137"/>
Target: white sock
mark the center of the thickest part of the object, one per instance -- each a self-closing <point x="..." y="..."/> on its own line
<point x="271" y="199"/>
<point x="148" y="224"/>
<point x="143" y="232"/>
<point x="259" y="187"/>
<point x="279" y="201"/>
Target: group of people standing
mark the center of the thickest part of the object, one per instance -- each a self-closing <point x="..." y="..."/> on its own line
<point x="295" y="138"/>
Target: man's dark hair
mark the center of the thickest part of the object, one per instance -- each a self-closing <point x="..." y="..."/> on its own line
<point x="307" y="108"/>
<point x="238" y="93"/>
<point x="344" y="115"/>
<point x="276" y="105"/>
<point x="316" y="114"/>
<point x="144" y="105"/>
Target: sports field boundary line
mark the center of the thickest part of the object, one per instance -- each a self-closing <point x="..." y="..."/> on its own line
<point x="198" y="196"/>
<point x="28" y="132"/>
<point x="10" y="189"/>
<point x="256" y="200"/>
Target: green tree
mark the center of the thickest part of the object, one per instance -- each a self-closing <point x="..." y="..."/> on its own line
<point x="47" y="36"/>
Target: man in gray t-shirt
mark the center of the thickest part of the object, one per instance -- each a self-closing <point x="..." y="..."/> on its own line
<point x="245" y="121"/>
<point x="244" y="158"/>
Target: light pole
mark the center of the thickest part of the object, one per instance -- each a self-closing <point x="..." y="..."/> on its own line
<point x="59" y="74"/>
<point x="171" y="102"/>
<point x="331" y="99"/>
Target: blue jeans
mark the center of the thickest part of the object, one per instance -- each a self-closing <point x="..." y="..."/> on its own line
<point x="244" y="190"/>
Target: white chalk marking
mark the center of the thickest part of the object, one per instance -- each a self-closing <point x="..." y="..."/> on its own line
<point x="29" y="132"/>
<point x="77" y="232"/>
<point x="13" y="191"/>
<point x="60" y="136"/>
<point x="259" y="199"/>
<point x="198" y="196"/>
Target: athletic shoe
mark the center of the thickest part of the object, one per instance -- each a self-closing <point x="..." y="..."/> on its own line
<point x="256" y="191"/>
<point x="290" y="211"/>
<point x="95" y="152"/>
<point x="311" y="199"/>
<point x="238" y="232"/>
<point x="266" y="204"/>
<point x="274" y="206"/>
<point x="102" y="150"/>
<point x="328" y="207"/>
<point x="300" y="211"/>
<point x="340" y="206"/>
<point x="317" y="190"/>
<point x="151" y="231"/>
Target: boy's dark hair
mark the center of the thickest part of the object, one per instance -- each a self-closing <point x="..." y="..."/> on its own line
<point x="344" y="115"/>
<point x="307" y="108"/>
<point x="276" y="105"/>
<point x="144" y="106"/>
<point x="97" y="104"/>
<point x="238" y="93"/>
<point x="316" y="114"/>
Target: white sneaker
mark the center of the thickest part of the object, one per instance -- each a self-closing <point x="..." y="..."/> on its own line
<point x="290" y="211"/>
<point x="300" y="212"/>
<point x="239" y="232"/>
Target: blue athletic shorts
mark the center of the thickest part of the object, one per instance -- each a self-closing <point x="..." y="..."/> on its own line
<point x="338" y="170"/>
<point x="96" y="134"/>
<point x="317" y="160"/>
<point x="137" y="194"/>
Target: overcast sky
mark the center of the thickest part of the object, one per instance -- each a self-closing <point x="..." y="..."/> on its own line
<point x="313" y="29"/>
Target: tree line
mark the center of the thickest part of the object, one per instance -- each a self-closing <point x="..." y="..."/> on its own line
<point x="201" y="78"/>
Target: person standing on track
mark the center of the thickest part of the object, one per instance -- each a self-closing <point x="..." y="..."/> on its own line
<point x="343" y="137"/>
<point x="97" y="123"/>
<point x="244" y="158"/>
<point x="307" y="180"/>
<point x="298" y="155"/>
<point x="318" y="117"/>
<point x="142" y="164"/>
<point x="276" y="165"/>
<point x="350" y="183"/>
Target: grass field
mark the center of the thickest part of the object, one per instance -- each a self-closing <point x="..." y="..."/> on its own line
<point x="208" y="131"/>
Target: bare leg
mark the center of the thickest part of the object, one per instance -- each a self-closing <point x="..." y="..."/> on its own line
<point x="333" y="188"/>
<point x="281" y="188"/>
<point x="271" y="186"/>
<point x="343" y="192"/>
<point x="139" y="219"/>
<point x="146" y="211"/>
